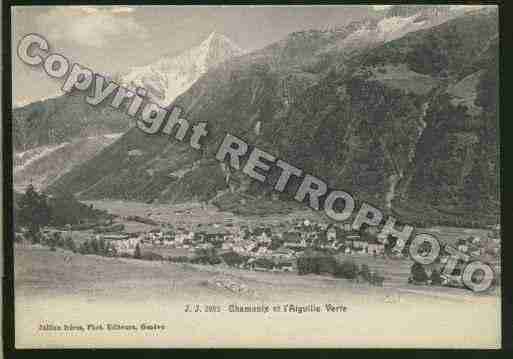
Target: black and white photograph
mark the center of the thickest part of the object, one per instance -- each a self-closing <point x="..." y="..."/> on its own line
<point x="252" y="176"/>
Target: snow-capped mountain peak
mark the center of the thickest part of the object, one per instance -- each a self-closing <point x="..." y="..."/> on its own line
<point x="400" y="20"/>
<point x="169" y="77"/>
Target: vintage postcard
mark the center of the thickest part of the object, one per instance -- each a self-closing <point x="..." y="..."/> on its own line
<point x="256" y="176"/>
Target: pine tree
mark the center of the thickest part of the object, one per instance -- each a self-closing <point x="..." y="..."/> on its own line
<point x="95" y="248"/>
<point x="418" y="273"/>
<point x="436" y="278"/>
<point x="33" y="211"/>
<point x="102" y="247"/>
<point x="137" y="252"/>
<point x="70" y="244"/>
<point x="365" y="272"/>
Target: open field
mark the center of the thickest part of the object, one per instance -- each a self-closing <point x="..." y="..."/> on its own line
<point x="191" y="214"/>
<point x="61" y="287"/>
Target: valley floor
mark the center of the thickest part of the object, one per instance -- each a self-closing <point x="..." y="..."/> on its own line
<point x="191" y="214"/>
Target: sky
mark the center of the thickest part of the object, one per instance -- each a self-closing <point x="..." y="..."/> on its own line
<point x="111" y="39"/>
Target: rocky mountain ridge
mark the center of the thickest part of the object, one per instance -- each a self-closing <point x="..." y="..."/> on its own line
<point x="169" y="77"/>
<point x="67" y="127"/>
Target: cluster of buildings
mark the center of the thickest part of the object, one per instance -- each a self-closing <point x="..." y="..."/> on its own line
<point x="281" y="243"/>
<point x="477" y="246"/>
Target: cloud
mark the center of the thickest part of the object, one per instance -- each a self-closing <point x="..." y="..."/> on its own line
<point x="381" y="7"/>
<point x="468" y="7"/>
<point x="124" y="9"/>
<point x="89" y="9"/>
<point x="90" y="26"/>
<point x="452" y="7"/>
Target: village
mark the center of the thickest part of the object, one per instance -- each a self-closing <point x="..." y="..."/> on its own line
<point x="260" y="247"/>
<point x="195" y="233"/>
<point x="271" y="247"/>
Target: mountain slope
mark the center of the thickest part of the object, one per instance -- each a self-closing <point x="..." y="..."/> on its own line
<point x="42" y="165"/>
<point x="362" y="119"/>
<point x="59" y="133"/>
<point x="61" y="119"/>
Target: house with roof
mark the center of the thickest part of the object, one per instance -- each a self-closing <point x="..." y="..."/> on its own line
<point x="284" y="265"/>
<point x="249" y="246"/>
<point x="312" y="236"/>
<point x="115" y="237"/>
<point x="183" y="235"/>
<point x="135" y="153"/>
<point x="264" y="238"/>
<point x="331" y="234"/>
<point x="262" y="232"/>
<point x="476" y="240"/>
<point x="283" y="253"/>
<point x="128" y="245"/>
<point x="336" y="245"/>
<point x="495" y="232"/>
<point x="476" y="252"/>
<point x="227" y="245"/>
<point x="356" y="242"/>
<point x="463" y="248"/>
<point x="155" y="234"/>
<point x="205" y="246"/>
<point x="375" y="247"/>
<point x="346" y="227"/>
<point x="168" y="236"/>
<point x="214" y="234"/>
<point x="260" y="264"/>
<point x="260" y="251"/>
<point x="292" y="237"/>
<point x="294" y="240"/>
<point x="239" y="248"/>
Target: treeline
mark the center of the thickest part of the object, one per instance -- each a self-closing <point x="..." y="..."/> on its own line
<point x="317" y="263"/>
<point x="58" y="240"/>
<point x="422" y="215"/>
<point x="419" y="276"/>
<point x="201" y="256"/>
<point x="99" y="247"/>
<point x="34" y="210"/>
